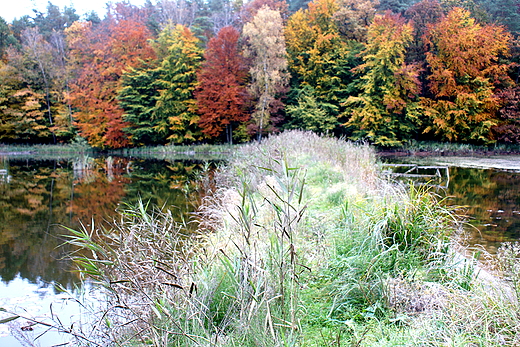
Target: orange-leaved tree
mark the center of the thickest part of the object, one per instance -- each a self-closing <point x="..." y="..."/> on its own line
<point x="221" y="94"/>
<point x="98" y="56"/>
<point x="463" y="57"/>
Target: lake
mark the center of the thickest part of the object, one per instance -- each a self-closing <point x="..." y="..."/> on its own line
<point x="38" y="197"/>
<point x="487" y="189"/>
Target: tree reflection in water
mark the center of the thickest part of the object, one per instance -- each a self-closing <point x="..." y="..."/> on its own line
<point x="490" y="199"/>
<point x="37" y="197"/>
<point x="492" y="202"/>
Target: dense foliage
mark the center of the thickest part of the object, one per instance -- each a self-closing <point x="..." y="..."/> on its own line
<point x="189" y="72"/>
<point x="385" y="111"/>
<point x="221" y="95"/>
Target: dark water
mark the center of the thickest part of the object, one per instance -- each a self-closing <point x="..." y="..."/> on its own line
<point x="39" y="197"/>
<point x="492" y="202"/>
<point x="489" y="197"/>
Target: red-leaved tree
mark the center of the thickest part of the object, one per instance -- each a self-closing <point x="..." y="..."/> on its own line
<point x="221" y="95"/>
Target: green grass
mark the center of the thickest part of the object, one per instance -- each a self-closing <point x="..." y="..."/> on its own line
<point x="61" y="151"/>
<point x="302" y="245"/>
<point x="456" y="148"/>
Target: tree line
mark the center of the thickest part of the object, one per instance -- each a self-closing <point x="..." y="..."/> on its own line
<point x="181" y="72"/>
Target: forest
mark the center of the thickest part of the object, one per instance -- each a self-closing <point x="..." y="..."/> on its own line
<point x="190" y="71"/>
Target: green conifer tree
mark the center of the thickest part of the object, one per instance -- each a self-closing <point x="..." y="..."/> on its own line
<point x="180" y="56"/>
<point x="138" y="97"/>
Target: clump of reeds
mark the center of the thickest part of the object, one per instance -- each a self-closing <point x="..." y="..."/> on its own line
<point x="256" y="243"/>
<point x="144" y="261"/>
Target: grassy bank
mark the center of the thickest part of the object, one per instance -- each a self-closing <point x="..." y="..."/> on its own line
<point x="61" y="151"/>
<point x="431" y="148"/>
<point x="223" y="151"/>
<point x="301" y="245"/>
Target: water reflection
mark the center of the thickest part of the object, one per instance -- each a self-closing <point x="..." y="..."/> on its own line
<point x="32" y="202"/>
<point x="490" y="197"/>
<point x="37" y="197"/>
<point x="492" y="200"/>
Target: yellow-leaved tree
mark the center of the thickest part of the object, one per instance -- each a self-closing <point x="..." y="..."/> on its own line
<point x="320" y="60"/>
<point x="386" y="110"/>
<point x="265" y="46"/>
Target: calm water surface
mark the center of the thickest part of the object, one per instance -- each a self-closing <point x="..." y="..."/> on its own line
<point x="488" y="189"/>
<point x="39" y="197"/>
<point x="491" y="198"/>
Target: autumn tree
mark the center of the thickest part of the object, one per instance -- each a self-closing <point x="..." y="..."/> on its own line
<point x="463" y="59"/>
<point x="221" y="94"/>
<point x="157" y="97"/>
<point x="23" y="117"/>
<point x="423" y="15"/>
<point x="266" y="48"/>
<point x="507" y="129"/>
<point x="38" y="50"/>
<point x="311" y="36"/>
<point x="353" y="17"/>
<point x="180" y="55"/>
<point x="320" y="56"/>
<point x="39" y="57"/>
<point x="38" y="80"/>
<point x="98" y="56"/>
<point x="138" y="97"/>
<point x="385" y="112"/>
